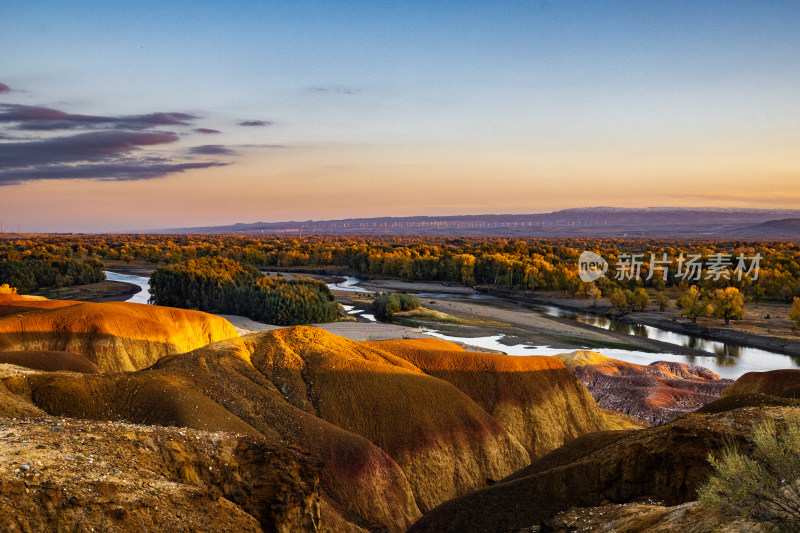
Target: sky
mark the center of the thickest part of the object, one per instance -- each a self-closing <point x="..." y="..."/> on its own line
<point x="142" y="115"/>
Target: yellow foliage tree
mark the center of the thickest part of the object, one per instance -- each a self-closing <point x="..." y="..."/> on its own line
<point x="7" y="289"/>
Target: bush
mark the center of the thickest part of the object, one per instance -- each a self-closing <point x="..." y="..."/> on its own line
<point x="385" y="305"/>
<point x="763" y="486"/>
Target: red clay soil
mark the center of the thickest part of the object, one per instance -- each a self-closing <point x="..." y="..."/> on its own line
<point x="517" y="391"/>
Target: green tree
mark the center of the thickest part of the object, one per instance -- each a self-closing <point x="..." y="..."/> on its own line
<point x="693" y="305"/>
<point x="762" y="486"/>
<point x="728" y="304"/>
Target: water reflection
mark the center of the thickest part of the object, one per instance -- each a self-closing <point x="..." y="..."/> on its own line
<point x="731" y="359"/>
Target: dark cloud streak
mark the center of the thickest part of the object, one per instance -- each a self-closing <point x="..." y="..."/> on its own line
<point x="124" y="171"/>
<point x="82" y="147"/>
<point x="98" y="147"/>
<point x="37" y="118"/>
<point x="211" y="149"/>
<point x="255" y="123"/>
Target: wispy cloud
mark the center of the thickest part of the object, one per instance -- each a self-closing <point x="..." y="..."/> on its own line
<point x="255" y="123"/>
<point x="211" y="149"/>
<point x="124" y="171"/>
<point x="38" y="118"/>
<point x="332" y="89"/>
<point x="114" y="147"/>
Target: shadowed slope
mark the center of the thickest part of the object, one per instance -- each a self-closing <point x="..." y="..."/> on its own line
<point x="115" y="336"/>
<point x="49" y="361"/>
<point x="781" y="383"/>
<point x="666" y="463"/>
<point x="535" y="398"/>
<point x="655" y="393"/>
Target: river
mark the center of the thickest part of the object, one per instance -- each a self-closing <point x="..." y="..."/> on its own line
<point x="140" y="297"/>
<point x="729" y="360"/>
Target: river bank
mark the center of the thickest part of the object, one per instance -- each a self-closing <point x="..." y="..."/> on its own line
<point x="750" y="332"/>
<point x="103" y="291"/>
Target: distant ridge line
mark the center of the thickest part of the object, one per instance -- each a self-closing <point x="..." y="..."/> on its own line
<point x="663" y="222"/>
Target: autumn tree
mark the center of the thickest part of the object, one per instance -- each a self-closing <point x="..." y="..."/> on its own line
<point x="693" y="305"/>
<point x="620" y="299"/>
<point x="794" y="313"/>
<point x="728" y="304"/>
<point x="592" y="292"/>
<point x="662" y="301"/>
<point x="640" y="299"/>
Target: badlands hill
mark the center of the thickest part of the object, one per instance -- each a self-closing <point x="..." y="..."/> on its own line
<point x="656" y="393"/>
<point x="397" y="428"/>
<point x="114" y="337"/>
<point x="121" y="417"/>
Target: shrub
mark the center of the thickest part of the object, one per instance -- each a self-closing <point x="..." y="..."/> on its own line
<point x="385" y="305"/>
<point x="763" y="486"/>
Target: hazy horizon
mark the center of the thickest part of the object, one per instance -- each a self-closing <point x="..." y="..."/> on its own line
<point x="160" y="115"/>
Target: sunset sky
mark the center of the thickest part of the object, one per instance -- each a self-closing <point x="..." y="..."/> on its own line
<point x="142" y="115"/>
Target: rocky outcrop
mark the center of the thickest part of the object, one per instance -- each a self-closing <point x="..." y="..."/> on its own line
<point x="666" y="463"/>
<point x="650" y="517"/>
<point x="114" y="337"/>
<point x="69" y="475"/>
<point x="655" y="393"/>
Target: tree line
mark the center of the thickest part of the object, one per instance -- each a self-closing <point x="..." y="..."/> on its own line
<point x="29" y="274"/>
<point x="514" y="264"/>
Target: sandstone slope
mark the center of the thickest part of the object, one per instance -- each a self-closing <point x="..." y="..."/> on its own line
<point x="114" y="337"/>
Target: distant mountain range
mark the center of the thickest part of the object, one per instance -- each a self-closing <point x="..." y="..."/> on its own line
<point x="661" y="222"/>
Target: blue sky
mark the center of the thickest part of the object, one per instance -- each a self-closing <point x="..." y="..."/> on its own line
<point x="397" y="108"/>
